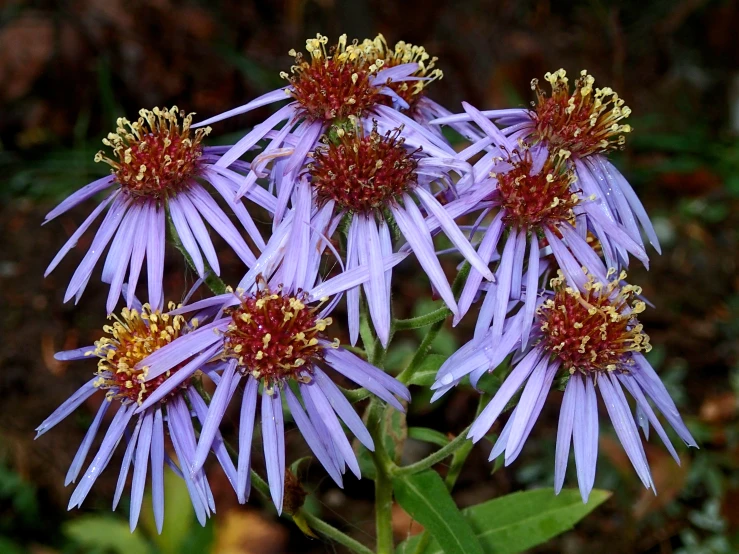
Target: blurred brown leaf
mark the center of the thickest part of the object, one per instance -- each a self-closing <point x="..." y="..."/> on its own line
<point x="246" y="531"/>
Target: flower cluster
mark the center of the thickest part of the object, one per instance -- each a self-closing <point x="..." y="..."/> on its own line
<point x="356" y="175"/>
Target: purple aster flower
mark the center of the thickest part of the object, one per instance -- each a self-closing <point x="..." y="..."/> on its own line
<point x="591" y="334"/>
<point x="536" y="205"/>
<point x="375" y="181"/>
<point x="271" y="336"/>
<point x="587" y="124"/>
<point x="158" y="171"/>
<point x="345" y="82"/>
<point x="132" y="336"/>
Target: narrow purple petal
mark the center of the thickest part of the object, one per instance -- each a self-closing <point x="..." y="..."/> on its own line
<point x="68" y="406"/>
<point x="271" y="430"/>
<point x="246" y="432"/>
<point x="623" y="423"/>
<point x="72" y="241"/>
<point x="138" y="252"/>
<point x="375" y="288"/>
<point x="179" y="377"/>
<point x="532" y="290"/>
<point x="185" y="235"/>
<point x="564" y="433"/>
<point x="503" y="285"/>
<point x="412" y="226"/>
<point x="192" y="214"/>
<point x="109" y="444"/>
<point x="511" y="384"/>
<point x="311" y="437"/>
<point x="344" y="409"/>
<point x="585" y="433"/>
<point x="633" y="387"/>
<point x="217" y="408"/>
<point x="268" y="98"/>
<point x="141" y="465"/>
<point x="84" y="353"/>
<point x="327" y="414"/>
<point x="536" y="388"/>
<point x="84" y="449"/>
<point x="155" y="256"/>
<point x="88" y="191"/>
<point x="352" y="294"/>
<point x="157" y="470"/>
<point x="126" y="463"/>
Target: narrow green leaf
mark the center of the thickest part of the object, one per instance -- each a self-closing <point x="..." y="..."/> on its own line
<point x="520" y="521"/>
<point x="396" y="431"/>
<point x="425" y="497"/>
<point x="428" y="435"/>
<point x="106" y="533"/>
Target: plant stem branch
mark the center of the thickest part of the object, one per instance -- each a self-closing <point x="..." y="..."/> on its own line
<point x="434" y="458"/>
<point x="333" y="533"/>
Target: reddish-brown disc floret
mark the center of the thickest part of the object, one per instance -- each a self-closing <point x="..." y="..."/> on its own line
<point x="274" y="336"/>
<point x="132" y="337"/>
<point x="587" y="121"/>
<point x="156" y="156"/>
<point x="531" y="200"/>
<point x="595" y="331"/>
<point x="362" y="172"/>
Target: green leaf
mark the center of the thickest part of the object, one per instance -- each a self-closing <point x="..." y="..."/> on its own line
<point x="425" y="497"/>
<point x="520" y="521"/>
<point x="106" y="533"/>
<point x="428" y="435"/>
<point x="425" y="375"/>
<point x="395" y="433"/>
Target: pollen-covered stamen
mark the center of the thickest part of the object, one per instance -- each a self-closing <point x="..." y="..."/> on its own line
<point x="274" y="336"/>
<point x="404" y="53"/>
<point x="362" y="172"/>
<point x="585" y="122"/>
<point x="531" y="200"/>
<point x="595" y="331"/>
<point x="157" y="155"/>
<point x="132" y="337"/>
<point x="335" y="83"/>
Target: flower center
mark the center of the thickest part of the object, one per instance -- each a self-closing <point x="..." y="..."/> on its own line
<point x="154" y="156"/>
<point x="274" y="336"/>
<point x="132" y="337"/>
<point x="532" y="200"/>
<point x="362" y="172"/>
<point x="334" y="84"/>
<point x="584" y="122"/>
<point x="594" y="331"/>
<point x="404" y="53"/>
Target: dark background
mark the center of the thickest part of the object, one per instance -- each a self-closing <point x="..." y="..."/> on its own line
<point x="68" y="69"/>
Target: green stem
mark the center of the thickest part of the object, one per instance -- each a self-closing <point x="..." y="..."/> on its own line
<point x="333" y="533"/>
<point x="212" y="281"/>
<point x="434" y="458"/>
<point x="430" y="318"/>
<point x="383" y="486"/>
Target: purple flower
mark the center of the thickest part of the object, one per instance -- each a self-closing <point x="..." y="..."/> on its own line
<point x="591" y="334"/>
<point x="272" y="336"/>
<point x="339" y="85"/>
<point x="132" y="336"/>
<point x="374" y="181"/>
<point x="533" y="197"/>
<point x="586" y="124"/>
<point x="159" y="168"/>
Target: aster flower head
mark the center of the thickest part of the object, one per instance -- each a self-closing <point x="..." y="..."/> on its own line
<point x="375" y="180"/>
<point x="338" y="85"/>
<point x="158" y="169"/>
<point x="590" y="334"/>
<point x="133" y="335"/>
<point x="588" y="123"/>
<point x="273" y="339"/>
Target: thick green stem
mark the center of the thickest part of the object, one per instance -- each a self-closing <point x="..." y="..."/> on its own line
<point x="383" y="486"/>
<point x="434" y="458"/>
<point x="333" y="533"/>
<point x="430" y="318"/>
